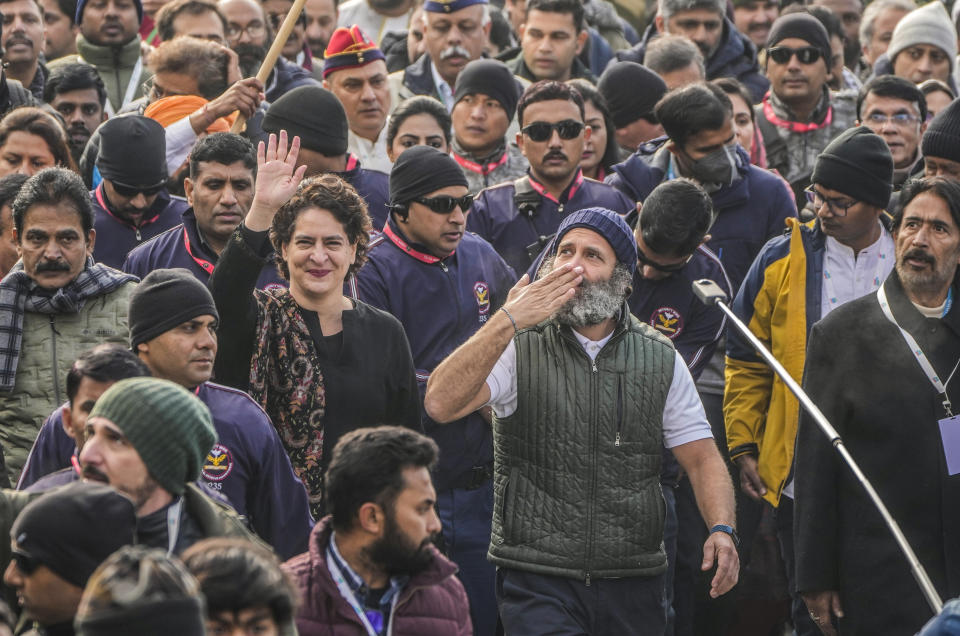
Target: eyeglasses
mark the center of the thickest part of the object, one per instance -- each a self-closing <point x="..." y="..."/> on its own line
<point x="897" y="119"/>
<point x="254" y="30"/>
<point x="25" y="563"/>
<point x="132" y="191"/>
<point x="276" y="19"/>
<point x="444" y="204"/>
<point x="805" y="55"/>
<point x="835" y="206"/>
<point x="542" y="131"/>
<point x="643" y="259"/>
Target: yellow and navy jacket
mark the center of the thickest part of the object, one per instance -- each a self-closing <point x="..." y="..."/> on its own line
<point x="779" y="301"/>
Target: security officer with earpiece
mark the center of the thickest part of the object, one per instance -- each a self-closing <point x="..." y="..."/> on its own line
<point x="519" y="218"/>
<point x="443" y="283"/>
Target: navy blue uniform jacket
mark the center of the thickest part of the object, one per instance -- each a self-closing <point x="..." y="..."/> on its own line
<point x="441" y="303"/>
<point x="247" y="465"/>
<point x="749" y="212"/>
<point x="372" y="185"/>
<point x="116" y="237"/>
<point x="180" y="246"/>
<point x="495" y="217"/>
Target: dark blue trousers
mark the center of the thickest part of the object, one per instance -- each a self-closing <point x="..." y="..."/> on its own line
<point x="466" y="516"/>
<point x="541" y="605"/>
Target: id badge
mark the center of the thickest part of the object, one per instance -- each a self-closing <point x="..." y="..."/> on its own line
<point x="950" y="435"/>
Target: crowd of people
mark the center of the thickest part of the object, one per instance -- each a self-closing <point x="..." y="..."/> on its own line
<point x="403" y="339"/>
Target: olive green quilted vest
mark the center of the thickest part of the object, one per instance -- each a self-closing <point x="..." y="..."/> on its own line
<point x="577" y="477"/>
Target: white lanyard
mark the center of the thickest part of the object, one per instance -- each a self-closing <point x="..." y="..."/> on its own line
<point x="348" y="594"/>
<point x="173" y="525"/>
<point x="832" y="296"/>
<point x="918" y="354"/>
<point x="131" y="87"/>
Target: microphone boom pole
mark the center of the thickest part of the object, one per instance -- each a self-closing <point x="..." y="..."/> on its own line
<point x="710" y="293"/>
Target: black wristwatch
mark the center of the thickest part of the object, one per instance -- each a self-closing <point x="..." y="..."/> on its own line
<point x="721" y="527"/>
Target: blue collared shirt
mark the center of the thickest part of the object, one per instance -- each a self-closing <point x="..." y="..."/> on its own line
<point x="362" y="592"/>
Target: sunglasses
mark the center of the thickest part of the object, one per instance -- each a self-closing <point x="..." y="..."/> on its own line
<point x="25" y="563"/>
<point x="542" y="131"/>
<point x="445" y="204"/>
<point x="643" y="259"/>
<point x="132" y="191"/>
<point x="805" y="55"/>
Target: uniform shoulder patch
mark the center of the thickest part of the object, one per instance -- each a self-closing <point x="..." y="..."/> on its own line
<point x="218" y="464"/>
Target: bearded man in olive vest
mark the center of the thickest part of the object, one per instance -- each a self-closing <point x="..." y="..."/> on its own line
<point x="585" y="396"/>
<point x="55" y="303"/>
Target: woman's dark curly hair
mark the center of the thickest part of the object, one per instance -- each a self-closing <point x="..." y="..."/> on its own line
<point x="326" y="192"/>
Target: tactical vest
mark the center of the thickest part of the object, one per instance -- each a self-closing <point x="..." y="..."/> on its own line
<point x="577" y="477"/>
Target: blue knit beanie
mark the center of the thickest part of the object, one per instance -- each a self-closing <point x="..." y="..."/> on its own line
<point x="607" y="224"/>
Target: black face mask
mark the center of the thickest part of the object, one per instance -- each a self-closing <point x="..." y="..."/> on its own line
<point x="715" y="170"/>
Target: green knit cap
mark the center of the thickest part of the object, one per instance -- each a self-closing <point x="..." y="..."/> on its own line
<point x="169" y="427"/>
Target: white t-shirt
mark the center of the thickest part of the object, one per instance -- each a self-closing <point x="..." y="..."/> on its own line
<point x="684" y="419"/>
<point x="373" y="24"/>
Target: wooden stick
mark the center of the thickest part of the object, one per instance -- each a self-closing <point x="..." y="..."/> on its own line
<point x="271" y="58"/>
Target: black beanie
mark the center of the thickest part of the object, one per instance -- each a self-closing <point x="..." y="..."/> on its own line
<point x="82" y="4"/>
<point x="133" y="151"/>
<point x="857" y="163"/>
<point x="803" y="26"/>
<point x="493" y="79"/>
<point x="164" y="299"/>
<point x="72" y="530"/>
<point x="942" y="137"/>
<point x="421" y="170"/>
<point x="315" y="115"/>
<point x="631" y="91"/>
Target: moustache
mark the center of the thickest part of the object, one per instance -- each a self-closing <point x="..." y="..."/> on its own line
<point x="89" y="472"/>
<point x="19" y="39"/>
<point x="250" y="51"/>
<point x="760" y="26"/>
<point x="52" y="266"/>
<point x="554" y="154"/>
<point x="451" y="51"/>
<point x="918" y="254"/>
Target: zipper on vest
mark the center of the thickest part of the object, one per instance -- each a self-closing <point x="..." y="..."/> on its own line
<point x="619" y="409"/>
<point x="443" y="266"/>
<point x="56" y="379"/>
<point x="594" y="363"/>
<point x="587" y="580"/>
<point x="137" y="230"/>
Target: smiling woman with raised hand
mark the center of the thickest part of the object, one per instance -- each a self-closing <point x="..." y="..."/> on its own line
<point x="319" y="363"/>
